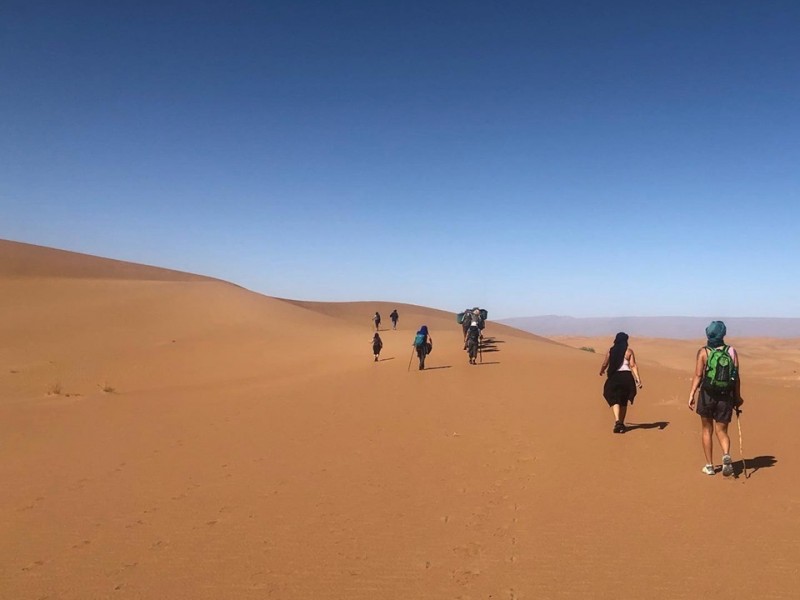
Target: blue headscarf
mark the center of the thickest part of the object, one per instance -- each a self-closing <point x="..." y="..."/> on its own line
<point x="715" y="333"/>
<point x="423" y="330"/>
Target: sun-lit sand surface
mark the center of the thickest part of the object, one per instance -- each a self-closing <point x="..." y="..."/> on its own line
<point x="172" y="436"/>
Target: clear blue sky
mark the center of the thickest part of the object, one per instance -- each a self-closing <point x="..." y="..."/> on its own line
<point x="580" y="158"/>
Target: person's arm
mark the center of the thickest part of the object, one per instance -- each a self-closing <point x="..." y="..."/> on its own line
<point x="635" y="369"/>
<point x="605" y="363"/>
<point x="699" y="369"/>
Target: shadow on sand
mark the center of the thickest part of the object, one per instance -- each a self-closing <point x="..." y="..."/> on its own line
<point x="753" y="465"/>
<point x="383" y="359"/>
<point x="489" y="344"/>
<point x="434" y="368"/>
<point x="656" y="425"/>
<point x="493" y="362"/>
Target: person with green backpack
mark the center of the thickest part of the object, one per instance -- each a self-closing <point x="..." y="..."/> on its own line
<point x="716" y="378"/>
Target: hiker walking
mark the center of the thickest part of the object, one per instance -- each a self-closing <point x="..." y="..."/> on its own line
<point x="466" y="320"/>
<point x="716" y="377"/>
<point x="394" y="317"/>
<point x="377" y="345"/>
<point x="473" y="341"/>
<point x="622" y="380"/>
<point x="472" y="318"/>
<point x="377" y="320"/>
<point x="423" y="343"/>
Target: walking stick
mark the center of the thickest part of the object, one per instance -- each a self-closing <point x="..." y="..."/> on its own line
<point x="741" y="451"/>
<point x="410" y="358"/>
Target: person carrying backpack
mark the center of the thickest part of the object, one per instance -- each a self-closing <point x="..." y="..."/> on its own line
<point x="377" y="320"/>
<point x="473" y="342"/>
<point x="423" y="344"/>
<point x="623" y="379"/>
<point x="716" y="378"/>
<point x="394" y="317"/>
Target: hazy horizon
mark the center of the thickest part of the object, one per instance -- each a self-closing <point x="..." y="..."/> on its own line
<point x="675" y="327"/>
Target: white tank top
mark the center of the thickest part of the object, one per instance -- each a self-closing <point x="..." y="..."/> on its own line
<point x="624" y="366"/>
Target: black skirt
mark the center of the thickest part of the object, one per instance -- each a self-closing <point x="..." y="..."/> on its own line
<point x="620" y="388"/>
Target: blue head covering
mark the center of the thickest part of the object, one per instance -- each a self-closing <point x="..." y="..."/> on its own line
<point x="715" y="333"/>
<point x="423" y="330"/>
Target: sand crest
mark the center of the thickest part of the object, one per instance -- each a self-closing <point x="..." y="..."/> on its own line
<point x="165" y="435"/>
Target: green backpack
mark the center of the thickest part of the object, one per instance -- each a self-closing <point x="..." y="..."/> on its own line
<point x="720" y="374"/>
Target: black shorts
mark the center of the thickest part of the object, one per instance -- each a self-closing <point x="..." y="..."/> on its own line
<point x="715" y="406"/>
<point x="620" y="388"/>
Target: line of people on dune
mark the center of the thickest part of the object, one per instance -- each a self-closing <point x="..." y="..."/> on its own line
<point x="473" y="323"/>
<point x="715" y="392"/>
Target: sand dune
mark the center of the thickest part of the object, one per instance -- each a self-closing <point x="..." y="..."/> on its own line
<point x="251" y="448"/>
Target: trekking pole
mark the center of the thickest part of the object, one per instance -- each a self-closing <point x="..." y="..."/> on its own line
<point x="480" y="348"/>
<point x="741" y="451"/>
<point x="410" y="358"/>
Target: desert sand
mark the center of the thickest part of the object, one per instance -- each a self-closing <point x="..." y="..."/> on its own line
<point x="166" y="435"/>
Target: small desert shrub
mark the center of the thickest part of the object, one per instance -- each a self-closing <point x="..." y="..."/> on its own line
<point x="107" y="388"/>
<point x="587" y="349"/>
<point x="54" y="389"/>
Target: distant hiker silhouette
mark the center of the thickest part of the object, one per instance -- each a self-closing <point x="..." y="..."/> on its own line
<point x="377" y="345"/>
<point x="623" y="379"/>
<point x="423" y="343"/>
<point x="377" y="320"/>
<point x="394" y="317"/>
<point x="716" y="377"/>
<point x="473" y="342"/>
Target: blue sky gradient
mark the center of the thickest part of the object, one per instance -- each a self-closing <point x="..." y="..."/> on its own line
<point x="577" y="158"/>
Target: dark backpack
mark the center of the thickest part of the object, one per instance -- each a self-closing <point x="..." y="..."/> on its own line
<point x="720" y="374"/>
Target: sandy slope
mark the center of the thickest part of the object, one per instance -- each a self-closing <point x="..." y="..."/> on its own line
<point x="252" y="449"/>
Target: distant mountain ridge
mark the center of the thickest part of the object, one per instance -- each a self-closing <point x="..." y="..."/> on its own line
<point x="663" y="327"/>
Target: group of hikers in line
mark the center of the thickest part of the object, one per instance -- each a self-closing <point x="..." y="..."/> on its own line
<point x="393" y="316"/>
<point x="715" y="392"/>
<point x="473" y="322"/>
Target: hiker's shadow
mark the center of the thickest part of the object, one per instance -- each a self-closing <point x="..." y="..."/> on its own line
<point x="434" y="368"/>
<point x="753" y="465"/>
<point x="489" y="344"/>
<point x="655" y="425"/>
<point x="383" y="359"/>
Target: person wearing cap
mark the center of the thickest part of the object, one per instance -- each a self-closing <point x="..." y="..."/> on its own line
<point x="622" y="379"/>
<point x="715" y="407"/>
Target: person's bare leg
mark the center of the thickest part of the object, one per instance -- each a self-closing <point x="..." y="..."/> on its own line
<point x="615" y="408"/>
<point x="721" y="429"/>
<point x="708" y="428"/>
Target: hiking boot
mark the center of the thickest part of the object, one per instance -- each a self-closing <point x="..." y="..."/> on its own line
<point x="376" y="359"/>
<point x="619" y="427"/>
<point x="708" y="469"/>
<point x="727" y="465"/>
